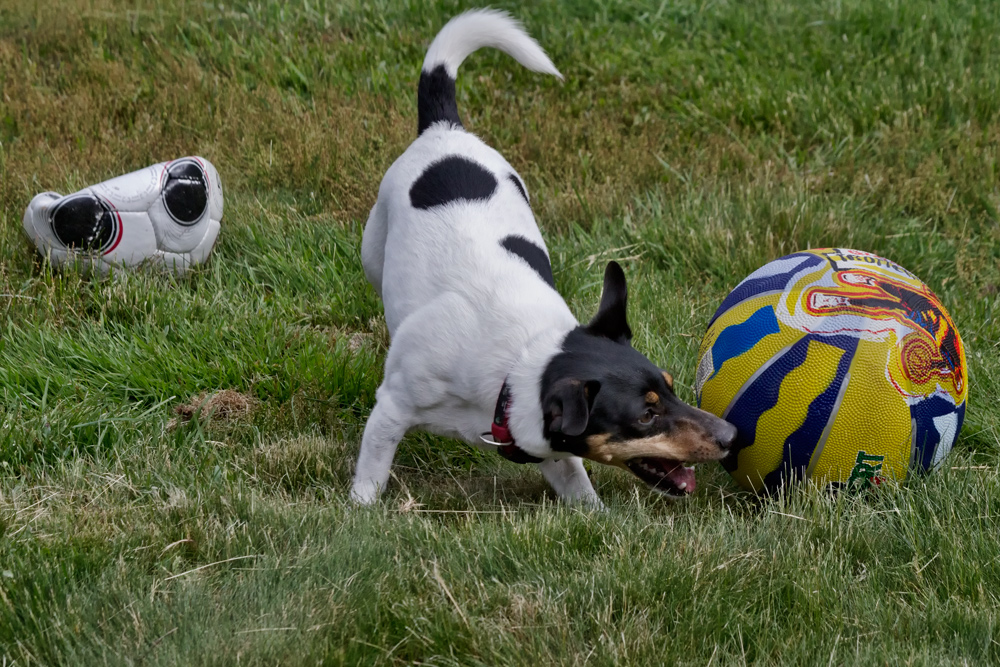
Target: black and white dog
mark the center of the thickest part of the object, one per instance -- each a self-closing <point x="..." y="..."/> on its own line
<point x="483" y="347"/>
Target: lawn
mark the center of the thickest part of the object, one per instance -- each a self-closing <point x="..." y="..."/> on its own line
<point x="175" y="453"/>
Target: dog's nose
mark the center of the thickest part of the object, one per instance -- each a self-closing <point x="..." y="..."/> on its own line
<point x="725" y="435"/>
<point x="719" y="430"/>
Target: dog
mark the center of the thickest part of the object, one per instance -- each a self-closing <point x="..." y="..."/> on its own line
<point x="483" y="348"/>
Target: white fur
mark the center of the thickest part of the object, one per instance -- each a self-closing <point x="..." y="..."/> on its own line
<point x="485" y="27"/>
<point x="462" y="312"/>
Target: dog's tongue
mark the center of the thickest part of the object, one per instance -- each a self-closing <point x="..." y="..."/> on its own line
<point x="682" y="477"/>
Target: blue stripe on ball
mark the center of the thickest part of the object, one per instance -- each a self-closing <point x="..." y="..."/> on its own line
<point x="768" y="282"/>
<point x="760" y="396"/>
<point x="927" y="439"/>
<point x="740" y="338"/>
<point x="800" y="445"/>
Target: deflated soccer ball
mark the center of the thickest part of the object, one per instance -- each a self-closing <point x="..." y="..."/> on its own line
<point x="168" y="213"/>
<point x="836" y="366"/>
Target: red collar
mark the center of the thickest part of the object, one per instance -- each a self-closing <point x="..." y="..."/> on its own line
<point x="500" y="430"/>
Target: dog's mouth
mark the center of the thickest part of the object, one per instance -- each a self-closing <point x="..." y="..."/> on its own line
<point x="666" y="476"/>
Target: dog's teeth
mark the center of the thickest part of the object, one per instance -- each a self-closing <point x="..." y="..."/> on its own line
<point x="689" y="467"/>
<point x="682" y="486"/>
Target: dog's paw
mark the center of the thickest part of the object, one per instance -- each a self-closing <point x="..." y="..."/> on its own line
<point x="590" y="503"/>
<point x="365" y="492"/>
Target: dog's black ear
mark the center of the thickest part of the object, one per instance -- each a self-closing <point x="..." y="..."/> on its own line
<point x="611" y="320"/>
<point x="567" y="405"/>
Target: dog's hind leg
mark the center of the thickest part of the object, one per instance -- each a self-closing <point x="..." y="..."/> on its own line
<point x="385" y="428"/>
<point x="373" y="245"/>
<point x="569" y="480"/>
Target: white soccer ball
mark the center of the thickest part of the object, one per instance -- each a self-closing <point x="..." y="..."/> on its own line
<point x="168" y="214"/>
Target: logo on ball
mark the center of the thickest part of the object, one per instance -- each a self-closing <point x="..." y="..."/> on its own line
<point x="866" y="469"/>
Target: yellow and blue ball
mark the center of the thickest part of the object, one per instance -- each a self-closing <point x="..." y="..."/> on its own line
<point x="836" y="366"/>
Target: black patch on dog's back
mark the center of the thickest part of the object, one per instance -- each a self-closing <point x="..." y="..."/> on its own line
<point x="451" y="179"/>
<point x="520" y="188"/>
<point x="436" y="99"/>
<point x="532" y="254"/>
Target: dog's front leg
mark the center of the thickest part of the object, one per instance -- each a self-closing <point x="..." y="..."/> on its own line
<point x="569" y="479"/>
<point x="385" y="428"/>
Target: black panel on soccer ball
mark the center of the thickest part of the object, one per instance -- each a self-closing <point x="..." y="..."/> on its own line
<point x="185" y="192"/>
<point x="84" y="223"/>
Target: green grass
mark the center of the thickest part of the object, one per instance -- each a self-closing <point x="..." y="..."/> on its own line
<point x="693" y="141"/>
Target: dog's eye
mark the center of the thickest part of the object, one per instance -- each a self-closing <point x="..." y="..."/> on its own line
<point x="647" y="417"/>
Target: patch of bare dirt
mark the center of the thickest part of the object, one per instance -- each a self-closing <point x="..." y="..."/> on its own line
<point x="227" y="405"/>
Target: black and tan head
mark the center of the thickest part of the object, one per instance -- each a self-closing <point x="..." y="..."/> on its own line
<point x="603" y="400"/>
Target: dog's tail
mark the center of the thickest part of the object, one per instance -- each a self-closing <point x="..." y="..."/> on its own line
<point x="461" y="36"/>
